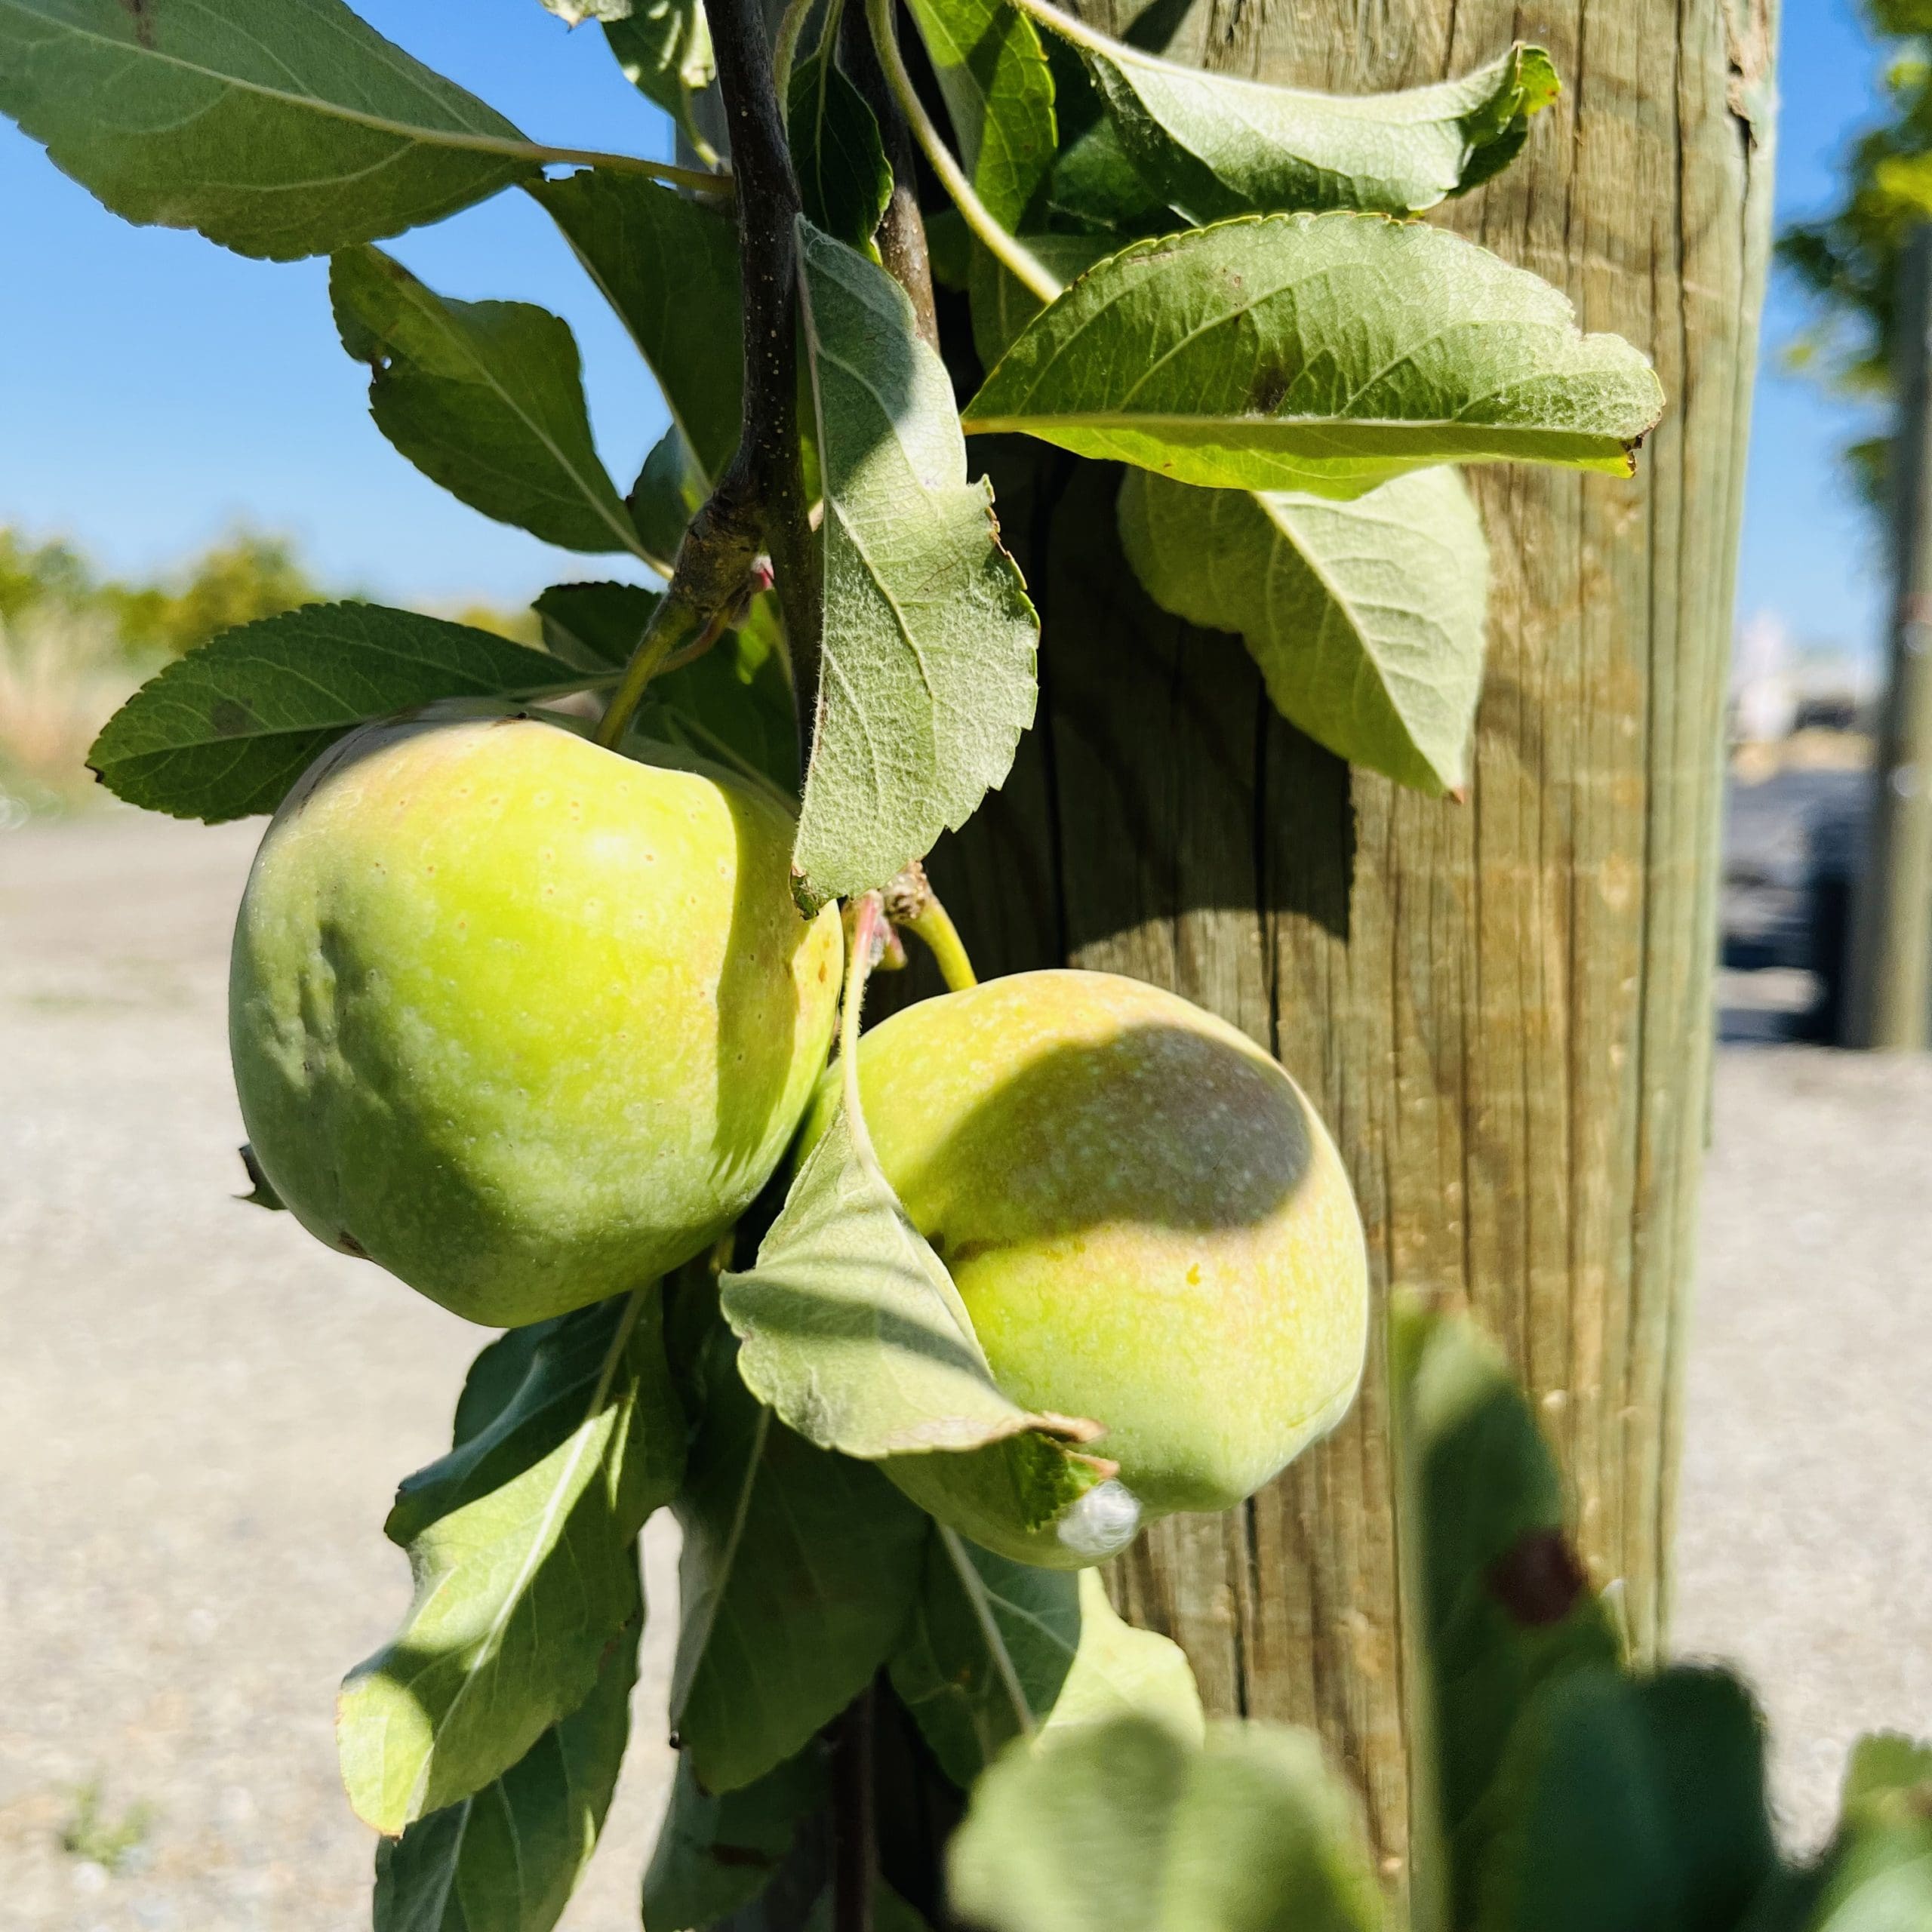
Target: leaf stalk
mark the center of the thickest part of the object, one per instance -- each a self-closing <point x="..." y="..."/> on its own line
<point x="1012" y="254"/>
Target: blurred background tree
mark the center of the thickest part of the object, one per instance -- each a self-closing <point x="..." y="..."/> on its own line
<point x="1848" y="258"/>
<point x="74" y="643"/>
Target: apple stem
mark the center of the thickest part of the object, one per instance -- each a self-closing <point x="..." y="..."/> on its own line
<point x="910" y="902"/>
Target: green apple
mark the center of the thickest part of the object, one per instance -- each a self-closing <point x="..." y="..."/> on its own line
<point x="1148" y="1225"/>
<point x="524" y="1021"/>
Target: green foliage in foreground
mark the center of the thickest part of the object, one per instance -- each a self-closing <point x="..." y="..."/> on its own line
<point x="1569" y="1794"/>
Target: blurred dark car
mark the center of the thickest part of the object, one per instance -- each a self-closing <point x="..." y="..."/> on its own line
<point x="1794" y="845"/>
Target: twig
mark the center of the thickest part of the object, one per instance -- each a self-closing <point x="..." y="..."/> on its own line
<point x="854" y="1818"/>
<point x="901" y="234"/>
<point x="768" y="468"/>
<point x="1013" y="255"/>
<point x="760" y="502"/>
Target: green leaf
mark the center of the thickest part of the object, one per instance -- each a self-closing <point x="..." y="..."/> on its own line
<point x="495" y="1375"/>
<point x="484" y="398"/>
<point x="854" y="1333"/>
<point x="595" y="626"/>
<point x="1630" y="1805"/>
<point x="1002" y="305"/>
<point x="1124" y="1827"/>
<point x="998" y="90"/>
<point x="853" y="1330"/>
<point x="1121" y="1671"/>
<point x="717" y="1851"/>
<point x="507" y="1859"/>
<point x="1366" y="616"/>
<point x="732" y="706"/>
<point x="844" y="177"/>
<point x="669" y="267"/>
<point x="521" y="1542"/>
<point x="1884" y="1766"/>
<point x="1096" y="183"/>
<point x="988" y="1647"/>
<point x="929" y="640"/>
<point x="1216" y="145"/>
<point x="664" y="48"/>
<point x="1318" y="352"/>
<point x="670" y="489"/>
<point x="798" y="1571"/>
<point x="225" y="731"/>
<point x="280" y="128"/>
<point x="996" y="1650"/>
<point x="1876" y="1874"/>
<point x="1503" y="1610"/>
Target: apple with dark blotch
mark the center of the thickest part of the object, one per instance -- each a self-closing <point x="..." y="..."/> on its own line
<point x="1148" y="1225"/>
<point x="524" y="1021"/>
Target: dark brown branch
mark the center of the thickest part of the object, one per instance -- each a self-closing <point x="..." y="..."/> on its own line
<point x="767" y="474"/>
<point x="854" y="1831"/>
<point x="759" y="503"/>
<point x="901" y="233"/>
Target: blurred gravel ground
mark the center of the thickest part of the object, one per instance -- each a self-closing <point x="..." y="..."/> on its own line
<point x="203" y="1414"/>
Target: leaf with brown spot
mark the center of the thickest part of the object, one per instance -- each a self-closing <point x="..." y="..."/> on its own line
<point x="225" y="731"/>
<point x="1504" y="1616"/>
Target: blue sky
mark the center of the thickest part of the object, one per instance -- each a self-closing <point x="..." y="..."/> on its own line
<point x="155" y="388"/>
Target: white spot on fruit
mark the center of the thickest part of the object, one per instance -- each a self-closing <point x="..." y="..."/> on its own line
<point x="1103" y="1521"/>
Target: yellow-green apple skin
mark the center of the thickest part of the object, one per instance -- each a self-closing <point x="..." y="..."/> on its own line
<point x="1146" y="1220"/>
<point x="525" y="1022"/>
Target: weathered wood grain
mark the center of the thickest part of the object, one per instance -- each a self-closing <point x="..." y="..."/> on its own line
<point x="1502" y="1006"/>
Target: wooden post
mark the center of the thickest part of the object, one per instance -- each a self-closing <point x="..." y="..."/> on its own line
<point x="1891" y="994"/>
<point x="1502" y="1007"/>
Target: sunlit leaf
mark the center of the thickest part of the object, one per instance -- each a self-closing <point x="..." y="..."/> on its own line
<point x="998" y="91"/>
<point x="521" y="1542"/>
<point x="280" y="128"/>
<point x="1876" y="1875"/>
<point x="1366" y="616"/>
<point x="664" y="48"/>
<point x="484" y="398"/>
<point x="927" y="677"/>
<point x="855" y="1334"/>
<point x="507" y="1859"/>
<point x="225" y="731"/>
<point x="1126" y="1827"/>
<point x="996" y="1650"/>
<point x="1318" y="352"/>
<point x="1214" y="145"/>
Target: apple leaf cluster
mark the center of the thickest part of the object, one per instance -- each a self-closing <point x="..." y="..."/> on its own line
<point x="1219" y="287"/>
